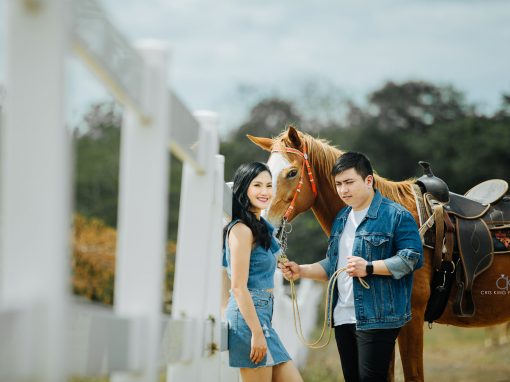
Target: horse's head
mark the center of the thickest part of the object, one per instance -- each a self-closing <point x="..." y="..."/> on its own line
<point x="289" y="168"/>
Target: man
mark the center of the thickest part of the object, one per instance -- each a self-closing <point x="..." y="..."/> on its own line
<point x="377" y="239"/>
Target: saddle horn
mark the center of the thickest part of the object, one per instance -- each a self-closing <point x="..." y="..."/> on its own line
<point x="428" y="182"/>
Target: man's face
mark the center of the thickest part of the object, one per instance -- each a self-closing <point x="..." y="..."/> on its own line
<point x="353" y="189"/>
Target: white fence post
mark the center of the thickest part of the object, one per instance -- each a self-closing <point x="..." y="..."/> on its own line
<point x="143" y="204"/>
<point x="36" y="194"/>
<point x="197" y="282"/>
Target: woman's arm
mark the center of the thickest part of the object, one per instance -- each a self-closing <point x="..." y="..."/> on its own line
<point x="240" y="243"/>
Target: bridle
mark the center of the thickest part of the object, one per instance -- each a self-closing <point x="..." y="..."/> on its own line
<point x="306" y="162"/>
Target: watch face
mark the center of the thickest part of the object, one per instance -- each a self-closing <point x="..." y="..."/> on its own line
<point x="370" y="268"/>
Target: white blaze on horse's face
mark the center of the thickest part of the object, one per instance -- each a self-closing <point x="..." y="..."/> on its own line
<point x="276" y="164"/>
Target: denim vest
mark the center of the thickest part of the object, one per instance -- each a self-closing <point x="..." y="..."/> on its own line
<point x="262" y="262"/>
<point x="388" y="232"/>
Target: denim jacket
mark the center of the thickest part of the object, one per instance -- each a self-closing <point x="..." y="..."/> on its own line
<point x="262" y="262"/>
<point x="388" y="232"/>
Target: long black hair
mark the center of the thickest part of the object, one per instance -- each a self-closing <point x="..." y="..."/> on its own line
<point x="241" y="204"/>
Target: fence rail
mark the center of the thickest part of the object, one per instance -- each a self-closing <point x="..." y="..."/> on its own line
<point x="46" y="333"/>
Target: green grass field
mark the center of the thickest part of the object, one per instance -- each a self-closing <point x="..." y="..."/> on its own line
<point x="451" y="354"/>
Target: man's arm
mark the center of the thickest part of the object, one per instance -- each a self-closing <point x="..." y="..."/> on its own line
<point x="409" y="249"/>
<point x="293" y="271"/>
<point x="357" y="267"/>
<point x="408" y="256"/>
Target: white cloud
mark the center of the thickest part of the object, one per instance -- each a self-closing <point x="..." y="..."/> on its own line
<point x="355" y="44"/>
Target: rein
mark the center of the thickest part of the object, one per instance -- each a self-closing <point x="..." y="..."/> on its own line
<point x="306" y="162"/>
<point x="282" y="258"/>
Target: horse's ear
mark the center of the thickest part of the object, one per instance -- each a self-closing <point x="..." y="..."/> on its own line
<point x="263" y="143"/>
<point x="294" y="137"/>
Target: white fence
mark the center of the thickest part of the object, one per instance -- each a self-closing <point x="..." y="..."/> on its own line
<point x="45" y="334"/>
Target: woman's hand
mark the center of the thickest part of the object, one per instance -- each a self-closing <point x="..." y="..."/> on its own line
<point x="258" y="347"/>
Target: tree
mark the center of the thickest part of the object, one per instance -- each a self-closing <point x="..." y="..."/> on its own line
<point x="97" y="147"/>
<point x="504" y="111"/>
<point x="468" y="151"/>
<point x="267" y="118"/>
<point x="416" y="105"/>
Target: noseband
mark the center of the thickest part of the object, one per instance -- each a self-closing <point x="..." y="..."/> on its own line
<point x="306" y="162"/>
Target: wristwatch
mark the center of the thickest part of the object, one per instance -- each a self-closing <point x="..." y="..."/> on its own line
<point x="370" y="268"/>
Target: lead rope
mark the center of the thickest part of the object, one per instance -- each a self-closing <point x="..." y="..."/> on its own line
<point x="282" y="258"/>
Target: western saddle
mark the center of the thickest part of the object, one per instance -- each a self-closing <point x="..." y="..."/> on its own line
<point x="464" y="237"/>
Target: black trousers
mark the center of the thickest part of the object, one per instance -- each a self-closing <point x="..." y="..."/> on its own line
<point x="365" y="354"/>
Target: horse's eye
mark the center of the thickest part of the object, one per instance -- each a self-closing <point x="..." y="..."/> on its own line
<point x="291" y="174"/>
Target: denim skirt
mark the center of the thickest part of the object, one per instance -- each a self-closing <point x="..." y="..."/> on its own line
<point x="239" y="334"/>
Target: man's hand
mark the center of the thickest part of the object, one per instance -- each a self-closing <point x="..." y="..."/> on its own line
<point x="290" y="270"/>
<point x="356" y="266"/>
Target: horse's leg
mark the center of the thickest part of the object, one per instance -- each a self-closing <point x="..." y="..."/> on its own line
<point x="410" y="338"/>
<point x="506" y="334"/>
<point x="410" y="343"/>
<point x="491" y="336"/>
<point x="391" y="370"/>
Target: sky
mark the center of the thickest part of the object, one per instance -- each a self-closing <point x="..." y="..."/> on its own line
<point x="225" y="54"/>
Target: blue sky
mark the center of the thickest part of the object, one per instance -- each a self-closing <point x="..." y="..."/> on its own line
<point x="276" y="47"/>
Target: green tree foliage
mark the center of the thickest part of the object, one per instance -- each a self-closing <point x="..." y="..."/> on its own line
<point x="267" y="119"/>
<point x="468" y="151"/>
<point x="416" y="105"/>
<point x="97" y="149"/>
<point x="400" y="125"/>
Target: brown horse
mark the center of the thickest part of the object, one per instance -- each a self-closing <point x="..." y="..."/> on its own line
<point x="491" y="309"/>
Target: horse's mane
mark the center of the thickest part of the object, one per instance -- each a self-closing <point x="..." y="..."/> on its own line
<point x="400" y="192"/>
<point x="323" y="156"/>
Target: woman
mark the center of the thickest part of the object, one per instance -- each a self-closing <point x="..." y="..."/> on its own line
<point x="250" y="256"/>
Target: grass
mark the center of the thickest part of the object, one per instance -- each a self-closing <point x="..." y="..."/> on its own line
<point x="451" y="354"/>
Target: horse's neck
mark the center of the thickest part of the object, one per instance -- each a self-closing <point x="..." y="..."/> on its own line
<point x="325" y="209"/>
<point x="328" y="203"/>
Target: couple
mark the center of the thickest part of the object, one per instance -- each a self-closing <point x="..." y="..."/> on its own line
<point x="373" y="237"/>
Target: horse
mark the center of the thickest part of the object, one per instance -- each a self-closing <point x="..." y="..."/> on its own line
<point x="317" y="192"/>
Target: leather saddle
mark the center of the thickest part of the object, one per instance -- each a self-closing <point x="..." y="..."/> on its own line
<point x="463" y="239"/>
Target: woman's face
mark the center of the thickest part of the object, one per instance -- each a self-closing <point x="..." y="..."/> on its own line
<point x="260" y="192"/>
